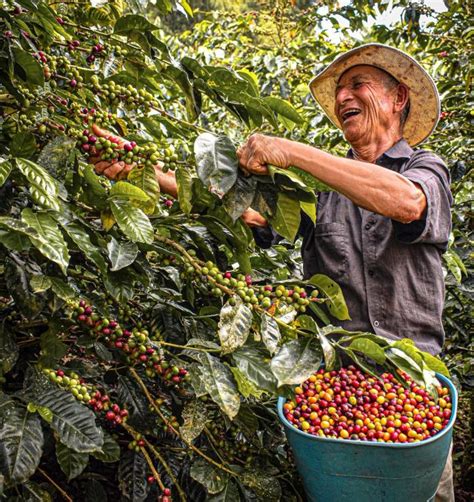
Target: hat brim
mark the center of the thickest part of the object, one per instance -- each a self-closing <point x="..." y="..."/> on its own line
<point x="424" y="97"/>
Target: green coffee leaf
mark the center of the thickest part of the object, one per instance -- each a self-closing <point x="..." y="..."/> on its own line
<point x="110" y="451"/>
<point x="82" y="239"/>
<point x="194" y="419"/>
<point x="229" y="494"/>
<point x="265" y="486"/>
<point x="9" y="350"/>
<point x="22" y="438"/>
<point x="73" y="422"/>
<point x="335" y="299"/>
<point x="23" y="144"/>
<point x="132" y="473"/>
<point x="121" y="254"/>
<point x="213" y="479"/>
<point x="283" y="108"/>
<point x="245" y="386"/>
<point x="33" y="71"/>
<point x="132" y="221"/>
<point x="240" y="196"/>
<point x="124" y="192"/>
<point x="234" y="325"/>
<point x="218" y="381"/>
<point x="254" y="363"/>
<point x="296" y="361"/>
<point x="435" y="364"/>
<point x="270" y="333"/>
<point x="42" y="185"/>
<point x="145" y="179"/>
<point x="369" y="349"/>
<point x="287" y="217"/>
<point x="72" y="463"/>
<point x="5" y="170"/>
<point x="48" y="239"/>
<point x="184" y="181"/>
<point x="216" y="162"/>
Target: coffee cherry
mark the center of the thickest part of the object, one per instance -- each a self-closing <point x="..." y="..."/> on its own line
<point x="349" y="404"/>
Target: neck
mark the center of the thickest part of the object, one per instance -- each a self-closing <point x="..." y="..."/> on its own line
<point x="371" y="152"/>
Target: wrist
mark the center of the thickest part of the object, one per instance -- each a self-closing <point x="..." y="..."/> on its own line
<point x="286" y="147"/>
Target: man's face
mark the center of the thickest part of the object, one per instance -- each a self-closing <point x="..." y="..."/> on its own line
<point x="364" y="106"/>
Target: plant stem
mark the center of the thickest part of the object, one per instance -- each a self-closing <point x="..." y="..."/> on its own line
<point x="168" y="424"/>
<point x="60" y="490"/>
<point x="186" y="347"/>
<point x="152" y="468"/>
<point x="168" y="470"/>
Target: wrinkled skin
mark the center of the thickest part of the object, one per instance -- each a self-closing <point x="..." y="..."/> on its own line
<point x="375" y="129"/>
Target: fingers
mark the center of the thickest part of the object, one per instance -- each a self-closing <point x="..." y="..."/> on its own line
<point x="253" y="218"/>
<point x="102" y="165"/>
<point x="98" y="131"/>
<point x="114" y="171"/>
<point x="252" y="157"/>
<point x="124" y="173"/>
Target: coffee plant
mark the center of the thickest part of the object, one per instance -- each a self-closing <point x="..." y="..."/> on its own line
<point x="143" y="337"/>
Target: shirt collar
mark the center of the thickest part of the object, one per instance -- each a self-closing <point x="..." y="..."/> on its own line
<point x="400" y="150"/>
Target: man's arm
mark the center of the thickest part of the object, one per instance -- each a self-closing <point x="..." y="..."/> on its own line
<point x="369" y="186"/>
<point x="167" y="181"/>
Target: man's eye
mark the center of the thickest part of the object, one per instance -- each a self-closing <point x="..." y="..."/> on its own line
<point x="356" y="85"/>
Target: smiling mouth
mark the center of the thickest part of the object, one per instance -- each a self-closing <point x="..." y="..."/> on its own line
<point x="352" y="112"/>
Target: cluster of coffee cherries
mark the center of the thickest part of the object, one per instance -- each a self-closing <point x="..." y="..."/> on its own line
<point x="170" y="422"/>
<point x="232" y="443"/>
<point x="129" y="152"/>
<point x="268" y="297"/>
<point x="137" y="443"/>
<point x="135" y="344"/>
<point x="350" y="404"/>
<point x="88" y="394"/>
<point x="165" y="494"/>
<point x="126" y="95"/>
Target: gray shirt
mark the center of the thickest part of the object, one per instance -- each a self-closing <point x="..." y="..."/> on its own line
<point x="390" y="272"/>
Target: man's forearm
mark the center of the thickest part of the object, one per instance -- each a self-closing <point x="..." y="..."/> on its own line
<point x="167" y="182"/>
<point x="367" y="185"/>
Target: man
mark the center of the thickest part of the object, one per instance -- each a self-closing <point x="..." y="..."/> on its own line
<point x="381" y="233"/>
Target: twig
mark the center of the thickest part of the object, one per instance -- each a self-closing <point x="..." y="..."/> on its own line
<point x="168" y="469"/>
<point x="152" y="468"/>
<point x="60" y="490"/>
<point x="168" y="424"/>
<point x="186" y="347"/>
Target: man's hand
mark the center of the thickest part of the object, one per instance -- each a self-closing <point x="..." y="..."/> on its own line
<point x="253" y="218"/>
<point x="260" y="150"/>
<point x="118" y="170"/>
<point x="114" y="170"/>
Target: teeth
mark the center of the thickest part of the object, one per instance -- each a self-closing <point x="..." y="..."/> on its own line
<point x="350" y="111"/>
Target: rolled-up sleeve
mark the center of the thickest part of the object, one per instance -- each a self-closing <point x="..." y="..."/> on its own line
<point x="431" y="173"/>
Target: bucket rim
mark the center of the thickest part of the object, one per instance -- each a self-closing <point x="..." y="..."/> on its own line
<point x="454" y="405"/>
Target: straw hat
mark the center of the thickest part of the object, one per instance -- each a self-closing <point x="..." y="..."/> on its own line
<point x="424" y="97"/>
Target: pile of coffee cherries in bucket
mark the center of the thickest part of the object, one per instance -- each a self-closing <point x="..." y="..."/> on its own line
<point x="350" y="404"/>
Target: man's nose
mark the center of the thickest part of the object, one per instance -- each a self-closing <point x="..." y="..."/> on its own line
<point x="343" y="95"/>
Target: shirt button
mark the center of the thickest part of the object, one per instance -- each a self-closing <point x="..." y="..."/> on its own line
<point x="376" y="323"/>
<point x="367" y="227"/>
<point x="371" y="273"/>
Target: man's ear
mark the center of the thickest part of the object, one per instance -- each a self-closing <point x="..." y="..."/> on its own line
<point x="401" y="97"/>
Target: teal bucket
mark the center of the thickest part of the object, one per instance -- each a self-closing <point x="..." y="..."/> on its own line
<point x="336" y="470"/>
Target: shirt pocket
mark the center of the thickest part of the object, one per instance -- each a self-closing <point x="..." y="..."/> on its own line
<point x="331" y="248"/>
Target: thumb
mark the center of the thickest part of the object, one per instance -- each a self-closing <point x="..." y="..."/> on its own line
<point x="98" y="131"/>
